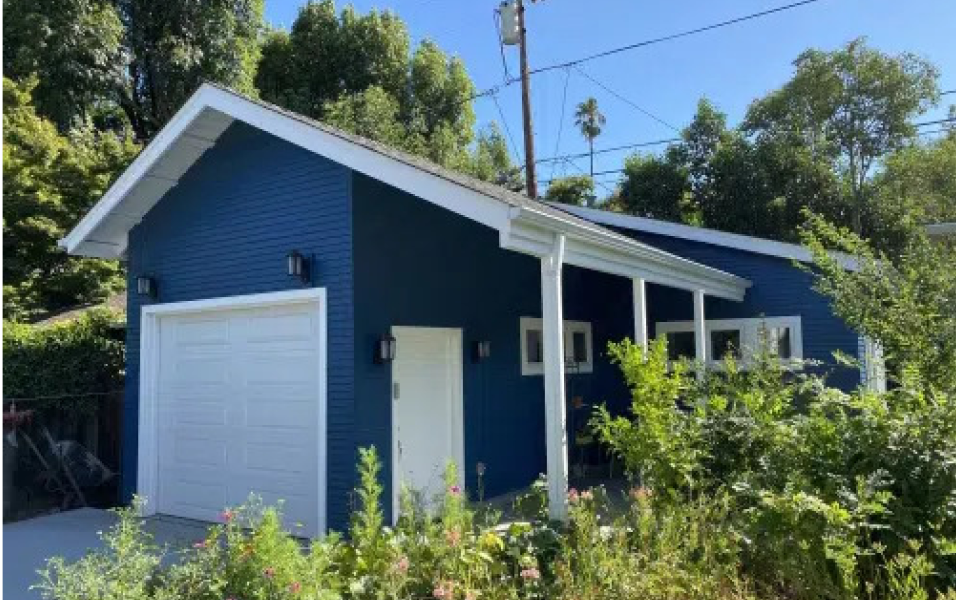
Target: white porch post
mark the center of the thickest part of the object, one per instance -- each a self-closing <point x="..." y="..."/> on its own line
<point x="640" y="313"/>
<point x="700" y="333"/>
<point x="554" y="407"/>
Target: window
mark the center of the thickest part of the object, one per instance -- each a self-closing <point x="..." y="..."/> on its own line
<point x="578" y="344"/>
<point x="739" y="338"/>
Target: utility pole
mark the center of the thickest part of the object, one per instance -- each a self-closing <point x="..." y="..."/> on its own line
<point x="511" y="13"/>
<point x="532" y="180"/>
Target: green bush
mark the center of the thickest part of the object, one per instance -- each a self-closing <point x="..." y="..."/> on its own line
<point x="81" y="356"/>
<point x="827" y="489"/>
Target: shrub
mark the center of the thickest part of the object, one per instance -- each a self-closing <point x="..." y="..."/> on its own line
<point x="827" y="489"/>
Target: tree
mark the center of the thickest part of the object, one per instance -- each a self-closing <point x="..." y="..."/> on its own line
<point x="176" y="45"/>
<point x="74" y="47"/>
<point x="916" y="186"/>
<point x="577" y="190"/>
<point x="590" y="120"/>
<point x="50" y="181"/>
<point x="851" y="106"/>
<point x="655" y="187"/>
<point x="357" y="72"/>
<point x="907" y="302"/>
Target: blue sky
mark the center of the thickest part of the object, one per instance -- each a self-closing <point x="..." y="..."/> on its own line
<point x="730" y="66"/>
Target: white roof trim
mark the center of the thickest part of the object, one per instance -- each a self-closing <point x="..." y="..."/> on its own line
<point x="522" y="223"/>
<point x="700" y="234"/>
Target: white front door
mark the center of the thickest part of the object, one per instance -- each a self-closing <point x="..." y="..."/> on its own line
<point x="427" y="429"/>
<point x="238" y="412"/>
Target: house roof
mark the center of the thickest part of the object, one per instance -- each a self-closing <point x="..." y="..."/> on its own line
<point x="941" y="228"/>
<point x="700" y="234"/>
<point x="524" y="225"/>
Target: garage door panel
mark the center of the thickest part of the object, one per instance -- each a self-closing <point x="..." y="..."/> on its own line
<point x="200" y="331"/>
<point x="238" y="405"/>
<point x="289" y="416"/>
<point x="200" y="370"/>
<point x="281" y="328"/>
<point x="199" y="451"/>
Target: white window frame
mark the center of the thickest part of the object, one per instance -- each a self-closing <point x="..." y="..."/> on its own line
<point x="749" y="336"/>
<point x="527" y="324"/>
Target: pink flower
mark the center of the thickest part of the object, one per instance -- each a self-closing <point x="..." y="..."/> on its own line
<point x="573" y="495"/>
<point x="454" y="490"/>
<point x="586" y="495"/>
<point x="269" y="572"/>
<point x="470" y="595"/>
<point x="296" y="587"/>
<point x="453" y="536"/>
<point x="530" y="573"/>
<point x="402" y="565"/>
<point x="227" y="516"/>
<point x="200" y="544"/>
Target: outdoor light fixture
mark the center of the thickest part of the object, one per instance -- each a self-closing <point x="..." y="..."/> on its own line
<point x="385" y="349"/>
<point x="480" y="351"/>
<point x="146" y="286"/>
<point x="298" y="266"/>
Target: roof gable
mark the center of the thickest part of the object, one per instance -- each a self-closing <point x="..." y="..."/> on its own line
<point x="524" y="225"/>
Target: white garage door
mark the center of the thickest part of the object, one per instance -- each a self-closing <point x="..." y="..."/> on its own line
<point x="237" y="401"/>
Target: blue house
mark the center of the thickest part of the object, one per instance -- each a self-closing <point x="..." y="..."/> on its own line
<point x="297" y="293"/>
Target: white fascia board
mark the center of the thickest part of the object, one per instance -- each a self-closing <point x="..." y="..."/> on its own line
<point x="707" y="236"/>
<point x="133" y="174"/>
<point x="532" y="233"/>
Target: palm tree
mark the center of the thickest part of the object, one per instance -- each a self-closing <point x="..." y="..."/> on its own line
<point x="590" y="120"/>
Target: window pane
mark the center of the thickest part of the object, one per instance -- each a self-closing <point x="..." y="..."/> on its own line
<point x="579" y="347"/>
<point x="780" y="338"/>
<point x="680" y="344"/>
<point x="725" y="342"/>
<point x="535" y="343"/>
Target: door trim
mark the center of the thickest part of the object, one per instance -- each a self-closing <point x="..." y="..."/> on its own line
<point x="147" y="475"/>
<point x="457" y="408"/>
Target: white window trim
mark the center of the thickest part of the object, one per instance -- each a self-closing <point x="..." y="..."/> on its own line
<point x="147" y="477"/>
<point x="570" y="327"/>
<point x="749" y="332"/>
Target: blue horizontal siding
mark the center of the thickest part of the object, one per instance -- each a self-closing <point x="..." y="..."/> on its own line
<point x="417" y="264"/>
<point x="225" y="230"/>
<point x="779" y="288"/>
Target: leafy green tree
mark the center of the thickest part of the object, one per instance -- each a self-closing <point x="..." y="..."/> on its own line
<point x="851" y="106"/>
<point x="590" y="120"/>
<point x="906" y="302"/>
<point x="176" y="45"/>
<point x="490" y="160"/>
<point x="577" y="190"/>
<point x="358" y="72"/>
<point x="916" y="186"/>
<point x="654" y="187"/>
<point x="74" y="47"/>
<point x="50" y="181"/>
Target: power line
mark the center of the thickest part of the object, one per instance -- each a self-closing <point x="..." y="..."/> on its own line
<point x="514" y="147"/>
<point x="625" y="100"/>
<point x="501" y="46"/>
<point x="947" y="92"/>
<point x="936" y="122"/>
<point x="564" y="105"/>
<point x="669" y="37"/>
<point x="585" y="173"/>
<point x="610" y="149"/>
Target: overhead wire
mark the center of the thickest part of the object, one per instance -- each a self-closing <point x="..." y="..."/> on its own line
<point x="564" y="105"/>
<point x="624" y="99"/>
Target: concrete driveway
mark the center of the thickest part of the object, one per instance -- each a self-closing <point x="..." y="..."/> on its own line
<point x="27" y="544"/>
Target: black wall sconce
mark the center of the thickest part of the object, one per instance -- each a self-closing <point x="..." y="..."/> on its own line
<point x="146" y="286"/>
<point x="385" y="348"/>
<point x="298" y="266"/>
<point x="480" y="351"/>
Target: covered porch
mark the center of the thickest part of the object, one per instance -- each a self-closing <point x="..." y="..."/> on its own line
<point x="642" y="265"/>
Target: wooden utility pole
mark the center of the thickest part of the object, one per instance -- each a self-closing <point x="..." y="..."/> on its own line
<point x="532" y="180"/>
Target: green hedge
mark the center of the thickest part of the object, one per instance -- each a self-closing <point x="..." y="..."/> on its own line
<point x="71" y="358"/>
